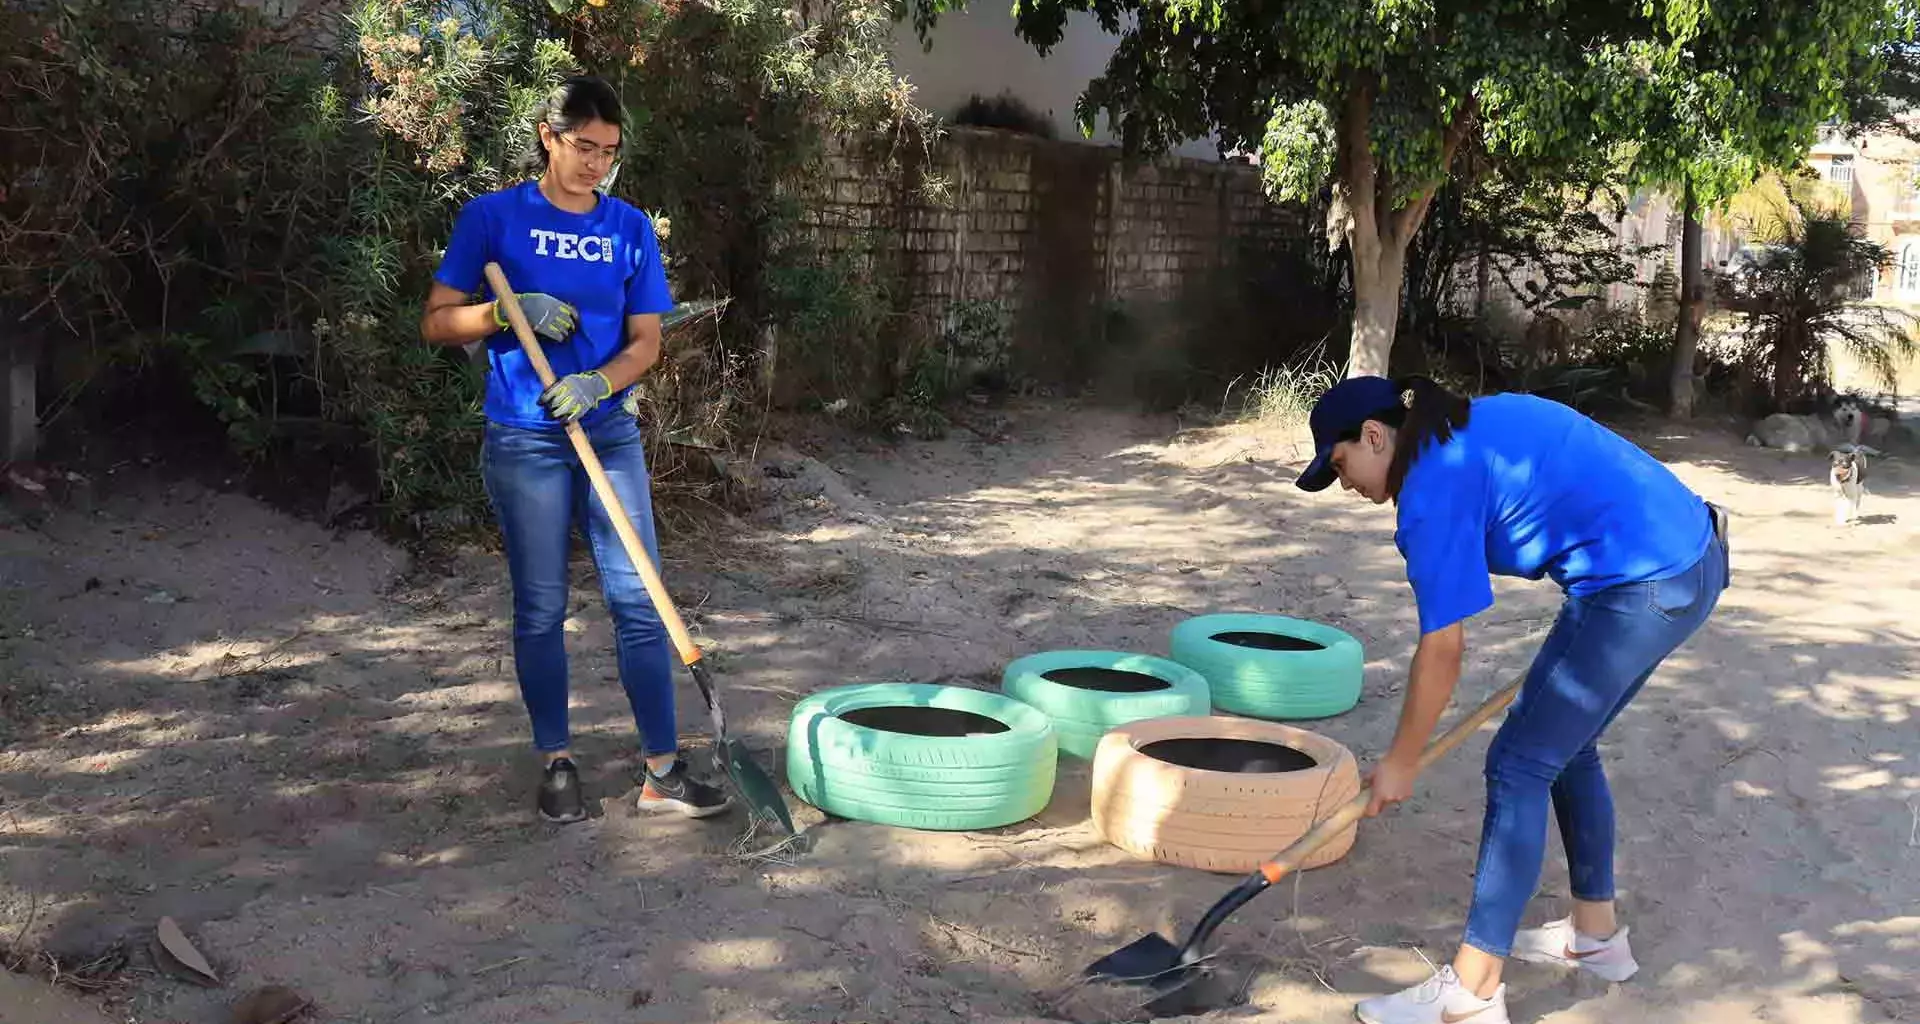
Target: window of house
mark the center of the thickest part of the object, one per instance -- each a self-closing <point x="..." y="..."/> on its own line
<point x="1909" y="268"/>
<point x="1840" y="170"/>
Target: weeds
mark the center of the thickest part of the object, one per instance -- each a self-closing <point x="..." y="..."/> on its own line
<point x="1283" y="396"/>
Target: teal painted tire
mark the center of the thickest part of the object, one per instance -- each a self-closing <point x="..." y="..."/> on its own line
<point x="1095" y="691"/>
<point x="1316" y="673"/>
<point x="921" y="755"/>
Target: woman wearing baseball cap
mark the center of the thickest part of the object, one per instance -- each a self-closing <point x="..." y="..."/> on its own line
<point x="1517" y="485"/>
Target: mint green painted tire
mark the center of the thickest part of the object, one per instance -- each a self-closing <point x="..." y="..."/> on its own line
<point x="1081" y="714"/>
<point x="1272" y="684"/>
<point x="848" y="756"/>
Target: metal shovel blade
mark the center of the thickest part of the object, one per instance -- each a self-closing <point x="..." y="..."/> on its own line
<point x="1177" y="983"/>
<point x="1145" y="959"/>
<point x="754" y="786"/>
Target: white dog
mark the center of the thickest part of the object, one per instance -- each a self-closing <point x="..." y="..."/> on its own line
<point x="1847" y="475"/>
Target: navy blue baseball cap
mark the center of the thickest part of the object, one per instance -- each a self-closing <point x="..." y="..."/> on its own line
<point x="1342" y="409"/>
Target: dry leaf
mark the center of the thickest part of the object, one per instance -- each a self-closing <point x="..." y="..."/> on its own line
<point x="270" y="1004"/>
<point x="176" y="944"/>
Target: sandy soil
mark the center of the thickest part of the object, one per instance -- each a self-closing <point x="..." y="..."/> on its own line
<point x="312" y="755"/>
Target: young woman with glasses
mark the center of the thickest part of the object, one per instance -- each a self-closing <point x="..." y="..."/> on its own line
<point x="587" y="271"/>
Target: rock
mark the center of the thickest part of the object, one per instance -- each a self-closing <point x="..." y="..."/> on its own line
<point x="270" y="1004"/>
<point x="1791" y="433"/>
<point x="343" y="498"/>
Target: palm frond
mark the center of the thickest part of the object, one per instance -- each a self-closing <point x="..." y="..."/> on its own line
<point x="1796" y="294"/>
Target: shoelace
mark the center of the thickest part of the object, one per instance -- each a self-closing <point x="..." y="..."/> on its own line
<point x="1436" y="985"/>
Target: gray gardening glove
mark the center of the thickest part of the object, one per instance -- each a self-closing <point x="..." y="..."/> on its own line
<point x="575" y="395"/>
<point x="551" y="319"/>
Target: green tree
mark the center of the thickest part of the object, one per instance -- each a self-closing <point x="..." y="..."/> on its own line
<point x="1548" y="243"/>
<point x="1373" y="101"/>
<point x="1885" y="103"/>
<point x="1878" y="96"/>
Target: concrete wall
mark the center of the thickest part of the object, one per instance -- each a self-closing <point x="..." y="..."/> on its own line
<point x="1053" y="232"/>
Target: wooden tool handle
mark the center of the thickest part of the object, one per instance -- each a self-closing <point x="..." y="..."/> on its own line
<point x="1289" y="860"/>
<point x="622" y="525"/>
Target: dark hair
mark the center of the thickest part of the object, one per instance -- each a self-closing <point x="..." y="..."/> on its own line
<point x="1426" y="413"/>
<point x="571" y="104"/>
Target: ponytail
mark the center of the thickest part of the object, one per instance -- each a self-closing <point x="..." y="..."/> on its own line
<point x="1427" y="413"/>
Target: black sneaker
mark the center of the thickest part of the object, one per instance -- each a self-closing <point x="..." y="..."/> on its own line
<point x="560" y="799"/>
<point x="679" y="791"/>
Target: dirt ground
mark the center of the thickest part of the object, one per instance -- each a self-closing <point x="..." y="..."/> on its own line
<point x="311" y="753"/>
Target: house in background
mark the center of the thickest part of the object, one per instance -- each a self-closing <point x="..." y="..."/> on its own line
<point x="977" y="54"/>
<point x="1881" y="174"/>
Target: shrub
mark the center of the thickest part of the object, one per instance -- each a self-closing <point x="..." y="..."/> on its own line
<point x="197" y="191"/>
<point x="1618" y="360"/>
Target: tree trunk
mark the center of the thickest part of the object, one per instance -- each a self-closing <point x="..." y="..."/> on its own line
<point x="1379" y="276"/>
<point x="1377" y="232"/>
<point x="1786" y="367"/>
<point x="1693" y="297"/>
<point x="1482" y="284"/>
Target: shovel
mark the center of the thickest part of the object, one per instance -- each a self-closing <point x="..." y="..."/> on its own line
<point x="1168" y="970"/>
<point x="749" y="779"/>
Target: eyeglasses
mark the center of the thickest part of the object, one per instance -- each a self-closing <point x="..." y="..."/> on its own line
<point x="592" y="153"/>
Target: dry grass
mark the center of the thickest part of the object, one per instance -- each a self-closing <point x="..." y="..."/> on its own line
<point x="100" y="972"/>
<point x="1283" y="396"/>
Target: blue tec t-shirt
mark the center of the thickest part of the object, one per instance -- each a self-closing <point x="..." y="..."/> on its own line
<point x="605" y="263"/>
<point x="1532" y="488"/>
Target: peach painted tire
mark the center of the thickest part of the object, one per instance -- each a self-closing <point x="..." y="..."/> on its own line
<point x="1218" y="820"/>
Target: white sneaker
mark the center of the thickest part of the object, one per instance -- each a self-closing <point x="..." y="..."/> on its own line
<point x="1440" y="999"/>
<point x="1557" y="943"/>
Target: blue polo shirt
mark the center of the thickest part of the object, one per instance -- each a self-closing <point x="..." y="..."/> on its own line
<point x="605" y="262"/>
<point x="1532" y="488"/>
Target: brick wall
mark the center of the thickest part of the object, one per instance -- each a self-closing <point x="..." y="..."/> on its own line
<point x="1053" y="231"/>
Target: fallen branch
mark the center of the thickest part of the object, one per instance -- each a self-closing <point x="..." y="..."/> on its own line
<point x="900" y="903"/>
<point x="263" y="659"/>
<point x="976" y="936"/>
<point x="1744" y="751"/>
<point x="893" y="624"/>
<point x="490" y="968"/>
<point x="33" y="903"/>
<point x="816" y="936"/>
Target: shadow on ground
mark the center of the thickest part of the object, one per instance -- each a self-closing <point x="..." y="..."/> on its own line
<point x="317" y="761"/>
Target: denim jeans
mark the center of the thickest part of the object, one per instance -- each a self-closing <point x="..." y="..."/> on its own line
<point x="1600" y="652"/>
<point x="540" y="492"/>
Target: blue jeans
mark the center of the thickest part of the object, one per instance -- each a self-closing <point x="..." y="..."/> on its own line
<point x="1600" y="652"/>
<point x="540" y="492"/>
